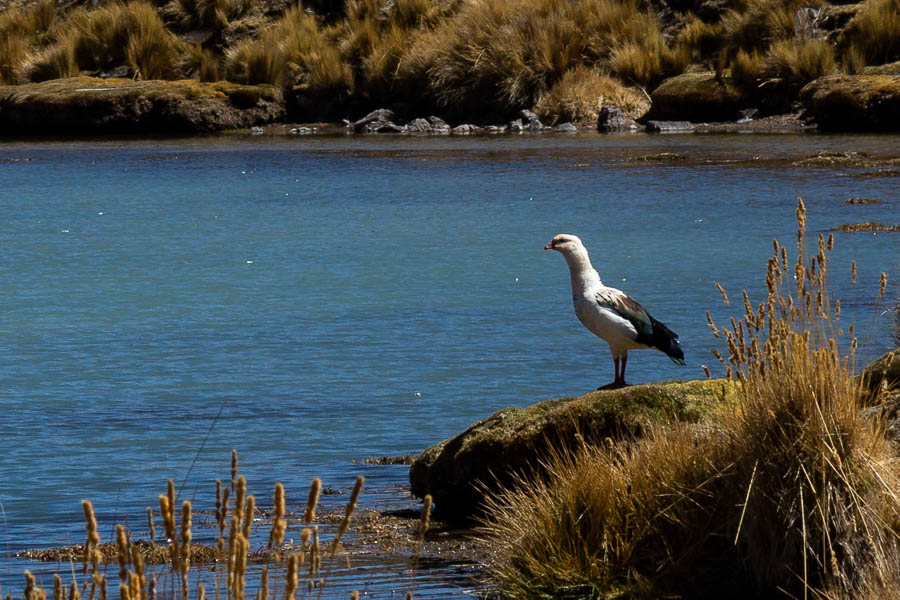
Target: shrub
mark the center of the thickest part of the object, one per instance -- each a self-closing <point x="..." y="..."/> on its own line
<point x="580" y="94"/>
<point x="793" y="490"/>
<point x="800" y="61"/>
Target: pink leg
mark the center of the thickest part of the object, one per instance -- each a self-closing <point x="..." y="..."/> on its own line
<point x="616" y="363"/>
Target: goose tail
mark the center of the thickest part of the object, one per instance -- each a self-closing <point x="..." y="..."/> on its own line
<point x="666" y="341"/>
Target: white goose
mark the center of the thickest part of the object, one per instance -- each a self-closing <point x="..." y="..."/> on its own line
<point x="610" y="313"/>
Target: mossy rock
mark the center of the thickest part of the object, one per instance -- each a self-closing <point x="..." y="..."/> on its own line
<point x="457" y="472"/>
<point x="88" y="105"/>
<point x="884" y="371"/>
<point x="854" y="102"/>
<point x="696" y="97"/>
<point x="888" y="69"/>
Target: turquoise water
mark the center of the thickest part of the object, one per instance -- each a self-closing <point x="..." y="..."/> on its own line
<point x="332" y="299"/>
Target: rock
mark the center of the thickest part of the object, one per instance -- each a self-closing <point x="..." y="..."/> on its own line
<point x="419" y="126"/>
<point x="669" y="126"/>
<point x="611" y="118"/>
<point x="256" y="130"/>
<point x="513" y="440"/>
<point x="303" y="130"/>
<point x="439" y="126"/>
<point x="747" y="115"/>
<point x="88" y="105"/>
<point x="516" y="126"/>
<point x="119" y="72"/>
<point x="854" y="102"/>
<point x="531" y="120"/>
<point x="888" y="69"/>
<point x="883" y="371"/>
<point x="565" y="128"/>
<point x="696" y="97"/>
<point x="495" y="129"/>
<point x="464" y="129"/>
<point x="378" y="121"/>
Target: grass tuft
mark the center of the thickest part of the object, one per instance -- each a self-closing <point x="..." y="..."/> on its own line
<point x="800" y="61"/>
<point x="874" y="33"/>
<point x="580" y="94"/>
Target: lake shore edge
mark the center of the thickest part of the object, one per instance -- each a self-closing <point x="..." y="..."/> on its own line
<point x="90" y="106"/>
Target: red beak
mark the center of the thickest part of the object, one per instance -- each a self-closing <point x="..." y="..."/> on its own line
<point x="549" y="246"/>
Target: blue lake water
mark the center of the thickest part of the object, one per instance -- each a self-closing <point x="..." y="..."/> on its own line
<point x="338" y="298"/>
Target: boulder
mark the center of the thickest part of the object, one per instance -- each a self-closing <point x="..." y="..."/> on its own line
<point x="530" y="121"/>
<point x="438" y="125"/>
<point x="457" y="472"/>
<point x="883" y="371"/>
<point x="94" y="106"/>
<point x="464" y="129"/>
<point x="696" y="97"/>
<point x="854" y="102"/>
<point x="378" y="121"/>
<point x="612" y="118"/>
<point x="419" y="126"/>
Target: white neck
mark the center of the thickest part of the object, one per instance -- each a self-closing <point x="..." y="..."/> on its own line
<point x="583" y="274"/>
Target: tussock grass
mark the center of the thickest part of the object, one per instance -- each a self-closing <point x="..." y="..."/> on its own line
<point x="20" y="30"/>
<point x="580" y="94"/>
<point x="794" y="492"/>
<point x="701" y="39"/>
<point x="800" y="61"/>
<point x="874" y="33"/>
<point x="747" y="69"/>
<point x="509" y="53"/>
<point x="215" y="14"/>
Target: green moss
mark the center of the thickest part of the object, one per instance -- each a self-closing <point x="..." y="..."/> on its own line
<point x="696" y="97"/>
<point x="854" y="102"/>
<point x="515" y="440"/>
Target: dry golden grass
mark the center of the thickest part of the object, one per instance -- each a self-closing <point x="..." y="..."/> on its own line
<point x="747" y="69"/>
<point x="508" y="53"/>
<point x="580" y="94"/>
<point x="175" y="560"/>
<point x="21" y="29"/>
<point x="874" y="32"/>
<point x="800" y="61"/>
<point x="795" y="491"/>
<point x="701" y="39"/>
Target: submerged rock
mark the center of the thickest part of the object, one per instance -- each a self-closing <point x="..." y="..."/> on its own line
<point x="669" y="126"/>
<point x="458" y="471"/>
